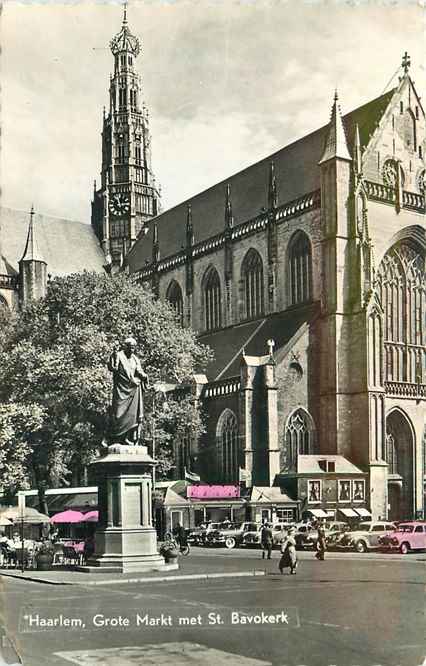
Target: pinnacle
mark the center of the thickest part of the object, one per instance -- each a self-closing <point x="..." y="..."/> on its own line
<point x="336" y="145"/>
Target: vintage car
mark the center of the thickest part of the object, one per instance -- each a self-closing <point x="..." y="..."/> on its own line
<point x="407" y="536"/>
<point x="279" y="530"/>
<point x="364" y="536"/>
<point x="197" y="536"/>
<point x="308" y="538"/>
<point x="230" y="535"/>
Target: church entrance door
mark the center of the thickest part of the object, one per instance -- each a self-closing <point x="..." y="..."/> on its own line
<point x="400" y="459"/>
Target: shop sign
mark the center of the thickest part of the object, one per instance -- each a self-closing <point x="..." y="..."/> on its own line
<point x="212" y="492"/>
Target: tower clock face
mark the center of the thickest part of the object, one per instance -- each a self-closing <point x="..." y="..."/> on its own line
<point x="119" y="204"/>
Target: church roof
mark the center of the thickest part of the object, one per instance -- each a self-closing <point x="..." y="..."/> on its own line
<point x="252" y="337"/>
<point x="66" y="246"/>
<point x="297" y="173"/>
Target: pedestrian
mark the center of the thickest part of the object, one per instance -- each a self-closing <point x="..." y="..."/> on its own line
<point x="89" y="547"/>
<point x="180" y="535"/>
<point x="288" y="553"/>
<point x="321" y="543"/>
<point x="266" y="540"/>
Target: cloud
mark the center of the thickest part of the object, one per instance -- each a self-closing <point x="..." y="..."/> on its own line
<point x="226" y="83"/>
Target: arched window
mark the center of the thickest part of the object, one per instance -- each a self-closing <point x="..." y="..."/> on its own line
<point x="212" y="302"/>
<point x="401" y="290"/>
<point x="174" y="296"/>
<point x="300" y="269"/>
<point x="227" y="447"/>
<point x="252" y="278"/>
<point x="410" y="135"/>
<point x="299" y="436"/>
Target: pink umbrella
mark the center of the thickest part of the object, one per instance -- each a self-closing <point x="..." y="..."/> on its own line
<point x="91" y="517"/>
<point x="67" y="517"/>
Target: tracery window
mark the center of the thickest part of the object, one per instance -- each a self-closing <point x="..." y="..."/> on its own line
<point x="401" y="288"/>
<point x="174" y="296"/>
<point x="300" y="269"/>
<point x="299" y="436"/>
<point x="212" y="302"/>
<point x="252" y="277"/>
<point x="227" y="445"/>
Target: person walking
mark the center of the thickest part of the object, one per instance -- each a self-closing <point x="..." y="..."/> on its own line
<point x="266" y="541"/>
<point x="288" y="553"/>
<point x="321" y="543"/>
<point x="181" y="537"/>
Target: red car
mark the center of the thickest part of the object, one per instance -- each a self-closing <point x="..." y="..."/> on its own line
<point x="408" y="536"/>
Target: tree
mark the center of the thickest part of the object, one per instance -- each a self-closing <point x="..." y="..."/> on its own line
<point x="53" y="360"/>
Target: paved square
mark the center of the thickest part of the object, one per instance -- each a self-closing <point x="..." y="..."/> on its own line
<point x="166" y="654"/>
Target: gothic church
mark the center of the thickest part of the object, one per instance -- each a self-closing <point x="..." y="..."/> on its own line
<point x="305" y="273"/>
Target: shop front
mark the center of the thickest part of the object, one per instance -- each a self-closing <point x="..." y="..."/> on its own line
<point x="271" y="505"/>
<point x="328" y="488"/>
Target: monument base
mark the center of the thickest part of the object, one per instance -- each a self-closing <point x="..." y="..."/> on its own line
<point x="125" y="541"/>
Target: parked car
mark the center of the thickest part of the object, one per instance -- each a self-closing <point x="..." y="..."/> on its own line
<point x="407" y="536"/>
<point x="230" y="535"/>
<point x="252" y="537"/>
<point x="309" y="538"/>
<point x="198" y="535"/>
<point x="365" y="536"/>
<point x="304" y="531"/>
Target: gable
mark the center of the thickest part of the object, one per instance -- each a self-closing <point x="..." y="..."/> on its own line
<point x="400" y="135"/>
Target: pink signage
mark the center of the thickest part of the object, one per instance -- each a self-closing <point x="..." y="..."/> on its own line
<point x="212" y="492"/>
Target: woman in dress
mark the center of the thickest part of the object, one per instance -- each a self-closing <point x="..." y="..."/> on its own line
<point x="288" y="553"/>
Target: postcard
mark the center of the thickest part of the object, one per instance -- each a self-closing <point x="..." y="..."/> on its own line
<point x="212" y="333"/>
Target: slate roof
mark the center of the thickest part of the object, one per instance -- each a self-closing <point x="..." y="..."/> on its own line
<point x="67" y="246"/>
<point x="297" y="173"/>
<point x="228" y="343"/>
<point x="309" y="464"/>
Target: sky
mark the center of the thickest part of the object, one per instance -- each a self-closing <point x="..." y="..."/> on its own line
<point x="226" y="83"/>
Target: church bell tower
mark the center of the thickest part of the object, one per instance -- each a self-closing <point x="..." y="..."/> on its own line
<point x="128" y="195"/>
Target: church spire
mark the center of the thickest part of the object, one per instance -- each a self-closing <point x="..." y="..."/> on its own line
<point x="272" y="188"/>
<point x="32" y="251"/>
<point x="129" y="195"/>
<point x="189" y="227"/>
<point x="155" y="245"/>
<point x="229" y="219"/>
<point x="335" y="146"/>
<point x="32" y="267"/>
<point x="357" y="151"/>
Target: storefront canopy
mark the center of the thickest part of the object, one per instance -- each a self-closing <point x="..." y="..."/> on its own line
<point x="364" y="513"/>
<point x="349" y="513"/>
<point x="318" y="513"/>
<point x="30" y="516"/>
<point x="67" y="517"/>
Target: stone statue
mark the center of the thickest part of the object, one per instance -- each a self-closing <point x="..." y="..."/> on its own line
<point x="129" y="384"/>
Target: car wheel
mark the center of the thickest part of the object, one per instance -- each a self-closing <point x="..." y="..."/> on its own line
<point x="404" y="548"/>
<point x="360" y="547"/>
<point x="230" y="542"/>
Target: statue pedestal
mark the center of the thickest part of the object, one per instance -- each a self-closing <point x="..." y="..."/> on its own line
<point x="125" y="538"/>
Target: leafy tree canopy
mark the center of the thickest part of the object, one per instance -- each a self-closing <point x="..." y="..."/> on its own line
<point x="54" y="377"/>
